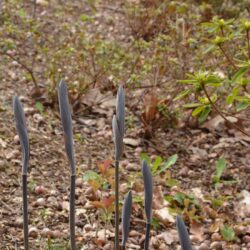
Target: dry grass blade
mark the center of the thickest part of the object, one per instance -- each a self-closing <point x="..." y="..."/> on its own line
<point x="66" y="123"/>
<point x="118" y="139"/>
<point x="120" y="110"/>
<point x="183" y="234"/>
<point x="126" y="212"/>
<point x="22" y="132"/>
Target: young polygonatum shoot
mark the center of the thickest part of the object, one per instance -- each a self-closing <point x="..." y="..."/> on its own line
<point x="66" y="123"/>
<point x="120" y="110"/>
<point x="118" y="139"/>
<point x="24" y="140"/>
<point x="126" y="212"/>
<point x="22" y="132"/>
<point x="183" y="234"/>
<point x="148" y="193"/>
<point x="148" y="190"/>
<point x="68" y="137"/>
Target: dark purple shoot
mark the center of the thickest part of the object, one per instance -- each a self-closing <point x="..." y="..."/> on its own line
<point x="183" y="234"/>
<point x="24" y="140"/>
<point x="69" y="146"/>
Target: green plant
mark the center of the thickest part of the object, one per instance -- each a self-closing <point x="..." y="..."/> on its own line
<point x="227" y="233"/>
<point x="221" y="86"/>
<point x="220" y="167"/>
<point x="159" y="166"/>
<point x="68" y="137"/>
<point x="181" y="202"/>
<point x="24" y="140"/>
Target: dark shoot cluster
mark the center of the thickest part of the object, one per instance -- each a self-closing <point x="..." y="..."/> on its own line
<point x="118" y="134"/>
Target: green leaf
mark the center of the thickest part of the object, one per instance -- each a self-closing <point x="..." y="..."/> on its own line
<point x="182" y="94"/>
<point x="145" y="157"/>
<point x="198" y="110"/>
<point x="39" y="106"/>
<point x="220" y="167"/>
<point x="156" y="164"/>
<point x="192" y="105"/>
<point x="172" y="182"/>
<point x="227" y="233"/>
<point x="230" y="99"/>
<point x="90" y="175"/>
<point x="171" y="161"/>
<point x="241" y="106"/>
<point x="209" y="48"/>
<point x="239" y="73"/>
<point x="204" y="114"/>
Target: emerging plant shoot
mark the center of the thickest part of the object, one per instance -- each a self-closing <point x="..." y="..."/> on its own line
<point x="148" y="197"/>
<point x="183" y="234"/>
<point x="126" y="212"/>
<point x="118" y="134"/>
<point x="69" y="146"/>
<point x="24" y="140"/>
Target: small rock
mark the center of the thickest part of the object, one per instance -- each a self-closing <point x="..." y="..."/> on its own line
<point x="184" y="172"/>
<point x="79" y="182"/>
<point x="56" y="234"/>
<point x="216" y="237"/>
<point x="16" y="139"/>
<point x="29" y="111"/>
<point x="40" y="202"/>
<point x="88" y="227"/>
<point x="38" y="118"/>
<point x="216" y="245"/>
<point x="246" y="239"/>
<point x="12" y="154"/>
<point x="46" y="233"/>
<point x="132" y="167"/>
<point x="203" y="246"/>
<point x="240" y="230"/>
<point x="19" y="222"/>
<point x="33" y="232"/>
<point x="2" y="165"/>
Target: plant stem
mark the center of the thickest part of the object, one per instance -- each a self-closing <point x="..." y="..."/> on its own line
<point x="30" y="71"/>
<point x="248" y="44"/>
<point x="147" y="236"/>
<point x="72" y="212"/>
<point x="116" y="205"/>
<point x="227" y="57"/>
<point x="25" y="212"/>
<point x="221" y="114"/>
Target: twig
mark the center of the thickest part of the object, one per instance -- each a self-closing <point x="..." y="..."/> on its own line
<point x="221" y="114"/>
<point x="30" y="71"/>
<point x="248" y="44"/>
<point x="227" y="57"/>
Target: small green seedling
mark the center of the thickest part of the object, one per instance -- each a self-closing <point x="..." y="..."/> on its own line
<point x="158" y="166"/>
<point x="227" y="233"/>
<point x="220" y="167"/>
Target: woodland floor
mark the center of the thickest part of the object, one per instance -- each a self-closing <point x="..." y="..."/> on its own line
<point x="197" y="148"/>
